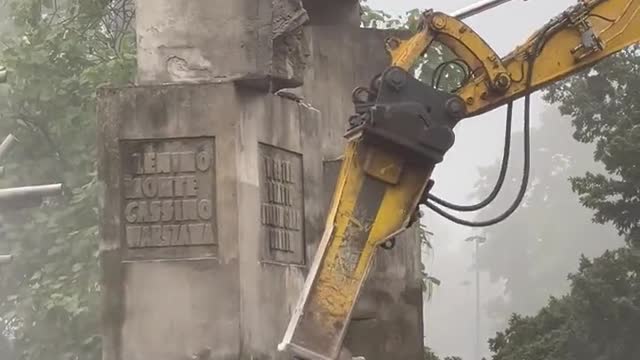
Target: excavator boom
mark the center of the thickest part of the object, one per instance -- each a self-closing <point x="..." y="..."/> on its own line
<point x="403" y="128"/>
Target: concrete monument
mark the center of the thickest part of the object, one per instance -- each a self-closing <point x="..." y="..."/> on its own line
<point x="216" y="190"/>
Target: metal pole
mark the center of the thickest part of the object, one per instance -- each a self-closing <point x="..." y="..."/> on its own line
<point x="478" y="240"/>
<point x="477" y="301"/>
<point x="28" y="191"/>
<point x="477" y="8"/>
<point x="5" y="259"/>
<point x="7" y="144"/>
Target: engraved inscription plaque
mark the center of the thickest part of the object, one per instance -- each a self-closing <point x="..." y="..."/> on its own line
<point x="282" y="204"/>
<point x="169" y="196"/>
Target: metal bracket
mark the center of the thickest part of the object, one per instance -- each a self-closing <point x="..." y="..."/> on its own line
<point x="408" y="115"/>
<point x="578" y="16"/>
<point x="458" y="37"/>
<point x="591" y="43"/>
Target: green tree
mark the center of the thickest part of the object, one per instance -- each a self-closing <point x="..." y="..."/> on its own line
<point x="58" y="53"/>
<point x="373" y="18"/>
<point x="603" y="103"/>
<point x="430" y="355"/>
<point x="598" y="319"/>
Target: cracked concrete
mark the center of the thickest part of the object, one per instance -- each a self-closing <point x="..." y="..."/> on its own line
<point x="288" y="16"/>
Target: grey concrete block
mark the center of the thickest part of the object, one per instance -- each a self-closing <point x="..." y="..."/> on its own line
<point x="259" y="43"/>
<point x="172" y="289"/>
<point x="224" y="286"/>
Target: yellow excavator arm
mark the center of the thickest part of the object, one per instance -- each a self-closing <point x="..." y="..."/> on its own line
<point x="402" y="130"/>
<point x="576" y="39"/>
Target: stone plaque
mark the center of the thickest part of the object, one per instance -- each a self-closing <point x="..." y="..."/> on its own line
<point x="282" y="205"/>
<point x="169" y="197"/>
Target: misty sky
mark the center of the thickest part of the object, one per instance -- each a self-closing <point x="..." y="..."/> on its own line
<point x="479" y="141"/>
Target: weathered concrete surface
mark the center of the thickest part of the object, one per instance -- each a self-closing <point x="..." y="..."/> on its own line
<point x="270" y="286"/>
<point x="258" y="42"/>
<point x="228" y="292"/>
<point x="227" y="296"/>
<point x="333" y="12"/>
<point x="341" y="59"/>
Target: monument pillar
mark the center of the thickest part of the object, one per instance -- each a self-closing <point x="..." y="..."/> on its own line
<point x="215" y="189"/>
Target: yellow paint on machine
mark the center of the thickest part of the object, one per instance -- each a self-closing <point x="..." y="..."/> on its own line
<point x="615" y="23"/>
<point x="379" y="186"/>
<point x="376" y="194"/>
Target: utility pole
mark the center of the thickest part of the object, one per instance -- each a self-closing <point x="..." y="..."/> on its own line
<point x="478" y="240"/>
<point x="477" y="8"/>
<point x="3" y="74"/>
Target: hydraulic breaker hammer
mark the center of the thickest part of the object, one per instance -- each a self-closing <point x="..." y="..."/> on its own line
<point x="402" y="129"/>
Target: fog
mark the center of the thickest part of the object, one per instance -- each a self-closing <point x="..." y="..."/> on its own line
<point x="450" y="315"/>
<point x="512" y="279"/>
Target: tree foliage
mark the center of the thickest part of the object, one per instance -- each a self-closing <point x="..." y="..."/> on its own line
<point x="430" y="355"/>
<point x="598" y="319"/>
<point x="604" y="104"/>
<point x="374" y="18"/>
<point x="58" y="53"/>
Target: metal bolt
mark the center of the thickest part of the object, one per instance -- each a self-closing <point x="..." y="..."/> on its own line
<point x="439" y="22"/>
<point x="503" y="81"/>
<point x="389" y="244"/>
<point x="396" y="78"/>
<point x="392" y="43"/>
<point x="470" y="101"/>
<point x="456" y="107"/>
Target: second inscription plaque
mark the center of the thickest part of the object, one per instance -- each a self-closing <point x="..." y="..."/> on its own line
<point x="282" y="205"/>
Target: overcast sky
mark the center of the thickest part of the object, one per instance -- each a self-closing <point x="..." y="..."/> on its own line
<point x="479" y="141"/>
